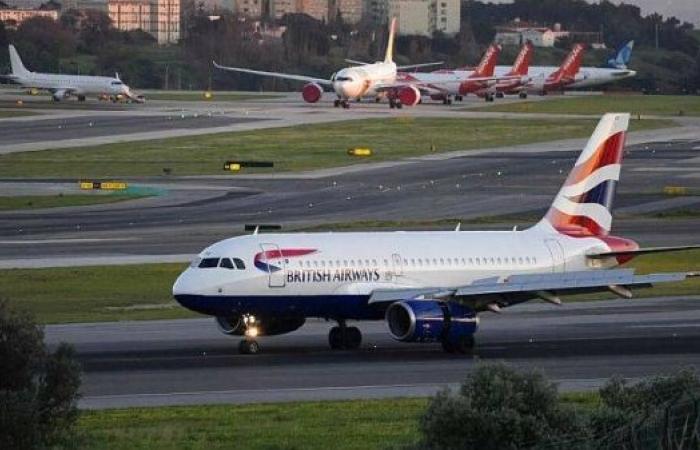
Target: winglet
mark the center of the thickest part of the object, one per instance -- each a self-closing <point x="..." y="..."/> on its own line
<point x="389" y="56"/>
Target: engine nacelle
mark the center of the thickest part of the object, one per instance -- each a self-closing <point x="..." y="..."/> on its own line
<point x="429" y="321"/>
<point x="266" y="326"/>
<point x="311" y="92"/>
<point x="409" y="96"/>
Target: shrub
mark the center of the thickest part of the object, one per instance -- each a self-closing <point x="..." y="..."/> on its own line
<point x="38" y="389"/>
<point x="497" y="408"/>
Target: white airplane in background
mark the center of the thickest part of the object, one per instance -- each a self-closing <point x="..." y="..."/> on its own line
<point x="427" y="286"/>
<point x="62" y="86"/>
<point x="375" y="80"/>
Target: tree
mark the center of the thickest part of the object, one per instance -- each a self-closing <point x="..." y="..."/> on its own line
<point x="497" y="408"/>
<point x="43" y="41"/>
<point x="38" y="389"/>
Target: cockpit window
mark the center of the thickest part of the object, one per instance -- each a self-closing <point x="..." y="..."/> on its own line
<point x="209" y="263"/>
<point x="226" y="263"/>
<point x="240" y="265"/>
<point x="343" y="79"/>
<point x="117" y="83"/>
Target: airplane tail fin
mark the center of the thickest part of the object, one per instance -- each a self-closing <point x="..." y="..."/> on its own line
<point x="583" y="205"/>
<point x="521" y="66"/>
<point x="623" y="56"/>
<point x="572" y="63"/>
<point x="389" y="56"/>
<point x="16" y="62"/>
<point x="488" y="62"/>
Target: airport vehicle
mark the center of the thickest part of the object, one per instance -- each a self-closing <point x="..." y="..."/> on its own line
<point x="427" y="286"/>
<point x="62" y="85"/>
<point x="375" y="80"/>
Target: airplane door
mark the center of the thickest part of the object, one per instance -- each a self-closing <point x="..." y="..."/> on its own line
<point x="397" y="262"/>
<point x="275" y="264"/>
<point x="557" y="252"/>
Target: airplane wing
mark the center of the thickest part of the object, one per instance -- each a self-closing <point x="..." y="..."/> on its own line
<point x="643" y="251"/>
<point x="496" y="292"/>
<point x="286" y="76"/>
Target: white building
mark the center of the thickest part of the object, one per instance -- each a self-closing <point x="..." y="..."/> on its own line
<point x="539" y="36"/>
<point x="159" y="18"/>
<point x="13" y="17"/>
<point x="417" y="17"/>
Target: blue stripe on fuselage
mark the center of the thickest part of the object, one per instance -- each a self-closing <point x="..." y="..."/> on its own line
<point x="325" y="306"/>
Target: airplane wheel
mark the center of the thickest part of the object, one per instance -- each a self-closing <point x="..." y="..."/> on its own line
<point x="523" y="95"/>
<point x="248" y="347"/>
<point x="499" y="95"/>
<point x="399" y="105"/>
<point x="345" y="104"/>
<point x="377" y="100"/>
<point x="449" y="101"/>
<point x="336" y="103"/>
<point x="459" y="98"/>
<point x="392" y="103"/>
<point x="351" y="341"/>
<point x="335" y="340"/>
<point x="81" y="98"/>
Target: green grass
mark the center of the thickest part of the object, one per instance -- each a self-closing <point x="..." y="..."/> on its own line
<point x="143" y="292"/>
<point x="195" y="96"/>
<point x="8" y="113"/>
<point x="94" y="294"/>
<point x="361" y="425"/>
<point x="342" y="425"/>
<point x="53" y="201"/>
<point x="662" y="105"/>
<point x="294" y="148"/>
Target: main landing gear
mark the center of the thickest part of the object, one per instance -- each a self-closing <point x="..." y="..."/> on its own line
<point x="395" y="104"/>
<point x="343" y="337"/>
<point x="344" y="103"/>
<point x="463" y="345"/>
<point x="249" y="346"/>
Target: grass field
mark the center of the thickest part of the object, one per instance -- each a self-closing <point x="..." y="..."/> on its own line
<point x="8" y="113"/>
<point x="196" y="96"/>
<point x="53" y="201"/>
<point x="341" y="425"/>
<point x="670" y="105"/>
<point x="295" y="148"/>
<point x="142" y="292"/>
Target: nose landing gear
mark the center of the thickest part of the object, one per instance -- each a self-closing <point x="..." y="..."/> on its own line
<point x="343" y="337"/>
<point x="249" y="346"/>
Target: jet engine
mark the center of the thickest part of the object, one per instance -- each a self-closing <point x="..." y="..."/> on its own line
<point x="311" y="92"/>
<point x="266" y="326"/>
<point x="409" y="96"/>
<point x="430" y="321"/>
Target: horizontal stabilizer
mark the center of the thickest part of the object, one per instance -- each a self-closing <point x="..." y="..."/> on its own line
<point x="643" y="251"/>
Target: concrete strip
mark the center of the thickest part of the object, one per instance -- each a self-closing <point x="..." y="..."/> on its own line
<point x="78" y="261"/>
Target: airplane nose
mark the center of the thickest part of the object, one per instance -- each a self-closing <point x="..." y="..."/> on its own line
<point x="184" y="285"/>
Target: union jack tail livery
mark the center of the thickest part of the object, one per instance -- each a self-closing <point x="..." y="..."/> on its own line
<point x="583" y="205"/>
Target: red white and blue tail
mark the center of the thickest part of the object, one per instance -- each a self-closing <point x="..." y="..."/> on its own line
<point x="583" y="206"/>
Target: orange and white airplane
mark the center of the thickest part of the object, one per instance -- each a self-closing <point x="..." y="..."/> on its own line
<point x="513" y="82"/>
<point x="428" y="286"/>
<point x="364" y="80"/>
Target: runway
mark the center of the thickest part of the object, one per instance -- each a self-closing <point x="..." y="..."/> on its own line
<point x="580" y="345"/>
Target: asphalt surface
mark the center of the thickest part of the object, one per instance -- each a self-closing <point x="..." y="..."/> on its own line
<point x="580" y="345"/>
<point x="199" y="211"/>
<point x="37" y="129"/>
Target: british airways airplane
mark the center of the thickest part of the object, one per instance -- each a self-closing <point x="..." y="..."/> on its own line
<point x="427" y="286"/>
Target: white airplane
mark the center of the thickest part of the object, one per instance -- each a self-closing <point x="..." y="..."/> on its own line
<point x="62" y="86"/>
<point x="365" y="80"/>
<point x="427" y="286"/>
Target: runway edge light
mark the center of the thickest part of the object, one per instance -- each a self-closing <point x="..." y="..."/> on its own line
<point x="235" y="166"/>
<point x="103" y="185"/>
<point x="360" y="151"/>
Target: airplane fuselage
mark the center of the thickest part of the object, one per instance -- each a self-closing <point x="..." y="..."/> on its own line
<point x="333" y="274"/>
<point x="363" y="81"/>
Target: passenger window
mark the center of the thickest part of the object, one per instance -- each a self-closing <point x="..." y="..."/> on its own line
<point x="386" y="263"/>
<point x="209" y="263"/>
<point x="471" y="261"/>
<point x="226" y="263"/>
<point x="498" y="260"/>
<point x="374" y="262"/>
<point x="240" y="265"/>
<point x="434" y="261"/>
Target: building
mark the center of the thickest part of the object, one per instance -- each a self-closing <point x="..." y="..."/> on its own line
<point x="350" y="10"/>
<point x="318" y="9"/>
<point x="13" y="17"/>
<point x="517" y="33"/>
<point x="278" y="8"/>
<point x="417" y="17"/>
<point x="159" y="18"/>
<point x="253" y="9"/>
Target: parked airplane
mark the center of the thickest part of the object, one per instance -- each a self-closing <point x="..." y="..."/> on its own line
<point x="622" y="57"/>
<point x="62" y="85"/>
<point x="514" y="82"/>
<point x="363" y="80"/>
<point x="563" y="77"/>
<point x="427" y="286"/>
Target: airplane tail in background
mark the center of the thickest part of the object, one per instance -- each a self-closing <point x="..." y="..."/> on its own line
<point x="623" y="56"/>
<point x="16" y="62"/>
<point x="583" y="205"/>
<point x="571" y="65"/>
<point x="389" y="56"/>
<point x="521" y="66"/>
<point x="487" y="65"/>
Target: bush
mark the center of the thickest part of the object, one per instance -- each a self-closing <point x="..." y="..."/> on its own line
<point x="497" y="408"/>
<point x="38" y="389"/>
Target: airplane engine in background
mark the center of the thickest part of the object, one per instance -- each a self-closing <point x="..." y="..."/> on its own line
<point x="236" y="325"/>
<point x="451" y="324"/>
<point x="409" y="96"/>
<point x="311" y="92"/>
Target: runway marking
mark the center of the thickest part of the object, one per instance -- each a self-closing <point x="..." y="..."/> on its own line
<point x="64" y="241"/>
<point x="679" y="325"/>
